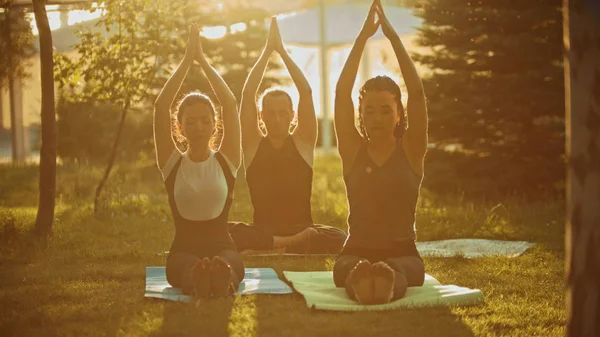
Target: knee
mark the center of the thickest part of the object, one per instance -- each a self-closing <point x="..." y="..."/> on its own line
<point x="342" y="268"/>
<point x="418" y="274"/>
<point x="340" y="235"/>
<point x="332" y="241"/>
<point x="400" y="288"/>
<point x="172" y="278"/>
<point x="420" y="279"/>
<point x="235" y="228"/>
<point x="235" y="261"/>
<point x="240" y="270"/>
<point x="412" y="268"/>
<point x="177" y="265"/>
<point x="339" y="274"/>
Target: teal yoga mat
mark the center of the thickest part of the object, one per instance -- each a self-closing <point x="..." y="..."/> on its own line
<point x="256" y="281"/>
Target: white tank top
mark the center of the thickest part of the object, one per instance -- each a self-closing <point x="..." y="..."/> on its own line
<point x="200" y="187"/>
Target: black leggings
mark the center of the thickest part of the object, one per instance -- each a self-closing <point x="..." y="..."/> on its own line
<point x="179" y="266"/>
<point x="407" y="265"/>
<point x="327" y="240"/>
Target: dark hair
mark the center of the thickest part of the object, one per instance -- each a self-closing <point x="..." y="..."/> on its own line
<point x="379" y="84"/>
<point x="277" y="92"/>
<point x="188" y="100"/>
<point x="274" y="92"/>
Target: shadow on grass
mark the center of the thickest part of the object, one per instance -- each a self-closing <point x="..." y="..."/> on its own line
<point x="203" y="318"/>
<point x="288" y="315"/>
<point x="275" y="316"/>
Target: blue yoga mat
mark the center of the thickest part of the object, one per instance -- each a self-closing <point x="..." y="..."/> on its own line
<point x="256" y="281"/>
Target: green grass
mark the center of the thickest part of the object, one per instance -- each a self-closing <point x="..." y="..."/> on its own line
<point x="88" y="278"/>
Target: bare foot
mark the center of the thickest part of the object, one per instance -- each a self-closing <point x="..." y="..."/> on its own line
<point x="201" y="279"/>
<point x="361" y="282"/>
<point x="221" y="277"/>
<point x="383" y="282"/>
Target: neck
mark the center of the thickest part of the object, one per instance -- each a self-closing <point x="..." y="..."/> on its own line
<point x="198" y="153"/>
<point x="382" y="144"/>
<point x="276" y="141"/>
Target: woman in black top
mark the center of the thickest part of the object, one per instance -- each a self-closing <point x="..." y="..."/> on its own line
<point x="383" y="170"/>
<point x="279" y="166"/>
<point x="203" y="260"/>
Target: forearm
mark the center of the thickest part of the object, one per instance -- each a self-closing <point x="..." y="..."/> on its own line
<point x="298" y="77"/>
<point x="413" y="82"/>
<point x="169" y="91"/>
<point x="350" y="70"/>
<point x="254" y="78"/>
<point x="224" y="95"/>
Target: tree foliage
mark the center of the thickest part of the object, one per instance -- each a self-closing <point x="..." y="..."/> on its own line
<point x="124" y="61"/>
<point x="497" y="83"/>
<point x="136" y="45"/>
<point x="20" y="43"/>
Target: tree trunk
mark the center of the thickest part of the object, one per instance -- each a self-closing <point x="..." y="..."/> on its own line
<point x="47" y="185"/>
<point x="582" y="79"/>
<point x="111" y="159"/>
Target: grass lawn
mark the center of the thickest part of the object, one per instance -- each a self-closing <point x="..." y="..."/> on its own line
<point x="88" y="278"/>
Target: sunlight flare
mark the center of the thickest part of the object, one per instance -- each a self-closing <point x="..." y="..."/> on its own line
<point x="243" y="321"/>
<point x="215" y="32"/>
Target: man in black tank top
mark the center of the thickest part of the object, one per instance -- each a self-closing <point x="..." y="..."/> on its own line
<point x="279" y="166"/>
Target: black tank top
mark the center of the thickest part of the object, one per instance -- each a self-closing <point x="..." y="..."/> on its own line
<point x="194" y="236"/>
<point x="280" y="184"/>
<point x="382" y="201"/>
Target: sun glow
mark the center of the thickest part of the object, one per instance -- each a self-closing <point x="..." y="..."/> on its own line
<point x="215" y="32"/>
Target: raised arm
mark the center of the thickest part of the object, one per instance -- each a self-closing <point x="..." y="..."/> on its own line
<point x="415" y="138"/>
<point x="230" y="146"/>
<point x="348" y="138"/>
<point x="163" y="139"/>
<point x="306" y="131"/>
<point x="251" y="133"/>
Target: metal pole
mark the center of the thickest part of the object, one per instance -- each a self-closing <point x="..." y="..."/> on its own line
<point x="326" y="121"/>
<point x="16" y="117"/>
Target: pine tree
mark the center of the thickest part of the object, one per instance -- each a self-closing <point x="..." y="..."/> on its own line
<point x="497" y="86"/>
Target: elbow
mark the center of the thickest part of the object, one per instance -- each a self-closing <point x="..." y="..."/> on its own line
<point x="230" y="105"/>
<point x="340" y="89"/>
<point x="160" y="104"/>
<point x="228" y="100"/>
<point x="417" y="93"/>
<point x="416" y="90"/>
<point x="306" y="91"/>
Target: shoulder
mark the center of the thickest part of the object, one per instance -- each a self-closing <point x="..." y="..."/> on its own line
<point x="305" y="150"/>
<point x="174" y="157"/>
<point x="232" y="168"/>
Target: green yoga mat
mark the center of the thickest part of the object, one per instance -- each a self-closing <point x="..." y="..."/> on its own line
<point x="320" y="293"/>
